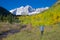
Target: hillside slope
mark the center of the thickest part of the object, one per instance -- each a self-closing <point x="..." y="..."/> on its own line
<point x="49" y="17"/>
<point x="5" y="15"/>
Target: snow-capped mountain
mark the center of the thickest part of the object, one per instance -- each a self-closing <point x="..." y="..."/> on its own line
<point x="27" y="10"/>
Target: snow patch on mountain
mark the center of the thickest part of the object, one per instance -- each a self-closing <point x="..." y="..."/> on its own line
<point x="27" y="10"/>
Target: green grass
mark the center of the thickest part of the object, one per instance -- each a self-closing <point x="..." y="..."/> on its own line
<point x="50" y="33"/>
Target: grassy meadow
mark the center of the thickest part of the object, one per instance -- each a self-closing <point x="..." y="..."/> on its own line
<point x="50" y="33"/>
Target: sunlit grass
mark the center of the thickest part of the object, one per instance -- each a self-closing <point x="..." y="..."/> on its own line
<point x="50" y="33"/>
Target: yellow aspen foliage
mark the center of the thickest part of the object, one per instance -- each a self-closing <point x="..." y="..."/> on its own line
<point x="48" y="17"/>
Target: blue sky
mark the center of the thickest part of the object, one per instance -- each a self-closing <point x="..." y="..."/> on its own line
<point x="11" y="4"/>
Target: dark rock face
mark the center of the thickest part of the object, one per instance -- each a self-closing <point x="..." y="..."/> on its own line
<point x="5" y="15"/>
<point x="4" y="12"/>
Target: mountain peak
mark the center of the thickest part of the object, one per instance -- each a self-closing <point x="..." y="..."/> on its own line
<point x="22" y="7"/>
<point x="27" y="10"/>
<point x="28" y="6"/>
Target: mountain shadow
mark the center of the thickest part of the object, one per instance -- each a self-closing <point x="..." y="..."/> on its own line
<point x="6" y="16"/>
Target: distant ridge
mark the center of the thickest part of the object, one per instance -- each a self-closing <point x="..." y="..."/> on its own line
<point x="27" y="10"/>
